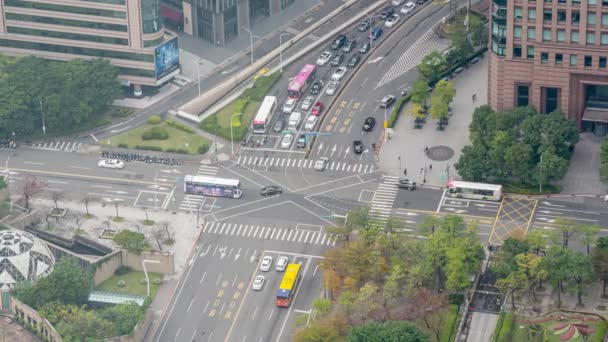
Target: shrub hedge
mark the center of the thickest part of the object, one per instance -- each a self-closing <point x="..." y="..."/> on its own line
<point x="448" y="330"/>
<point x="154" y="120"/>
<point x="203" y="148"/>
<point x="504" y="335"/>
<point x="180" y="126"/>
<point x="155" y="133"/>
<point x="397" y="109"/>
<point x="148" y="148"/>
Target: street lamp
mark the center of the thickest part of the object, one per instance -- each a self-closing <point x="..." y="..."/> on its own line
<point x="143" y="263"/>
<point x="42" y="111"/>
<point x="198" y="76"/>
<point x="231" y="136"/>
<point x="281" y="50"/>
<point x="251" y="35"/>
<point x="369" y="17"/>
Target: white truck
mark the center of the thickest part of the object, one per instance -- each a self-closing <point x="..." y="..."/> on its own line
<point x="294" y="121"/>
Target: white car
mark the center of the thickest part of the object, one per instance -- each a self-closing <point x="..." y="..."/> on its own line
<point x="390" y="22"/>
<point x="408" y="8"/>
<point x="339" y="73"/>
<point x="289" y="105"/>
<point x="287" y="140"/>
<point x="324" y="58"/>
<point x="266" y="264"/>
<point x="606" y="198"/>
<point x="308" y="101"/>
<point x="258" y="282"/>
<point x="331" y="88"/>
<point x="111" y="163"/>
<point x="311" y="122"/>
<point x="282" y="264"/>
<point x="321" y="164"/>
<point x="397" y="3"/>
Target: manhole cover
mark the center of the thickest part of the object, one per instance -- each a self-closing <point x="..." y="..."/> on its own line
<point x="440" y="153"/>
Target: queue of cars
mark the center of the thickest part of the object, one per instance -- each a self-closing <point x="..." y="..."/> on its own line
<point x="265" y="266"/>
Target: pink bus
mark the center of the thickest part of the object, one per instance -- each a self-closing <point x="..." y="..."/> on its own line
<point x="302" y="80"/>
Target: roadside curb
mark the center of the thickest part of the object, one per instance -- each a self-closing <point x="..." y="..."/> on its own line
<point x="554" y="196"/>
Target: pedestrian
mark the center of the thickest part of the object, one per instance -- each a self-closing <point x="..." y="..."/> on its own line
<point x="421" y="170"/>
<point x="430" y="167"/>
<point x="426" y="149"/>
<point x="405" y="172"/>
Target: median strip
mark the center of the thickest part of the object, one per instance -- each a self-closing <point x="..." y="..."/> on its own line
<point x="73" y="175"/>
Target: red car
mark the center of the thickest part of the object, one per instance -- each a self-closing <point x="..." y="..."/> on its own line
<point x="317" y="109"/>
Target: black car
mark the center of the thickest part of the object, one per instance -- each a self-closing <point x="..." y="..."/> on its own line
<point x="271" y="190"/>
<point x="387" y="12"/>
<point x="357" y="146"/>
<point x="406" y="184"/>
<point x="369" y="124"/>
<point x="339" y="42"/>
<point x="316" y="87"/>
<point x="301" y="143"/>
<point x="337" y="60"/>
<point x="349" y="46"/>
<point x="353" y="61"/>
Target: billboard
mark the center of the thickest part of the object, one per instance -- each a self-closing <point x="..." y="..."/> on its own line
<point x="166" y="58"/>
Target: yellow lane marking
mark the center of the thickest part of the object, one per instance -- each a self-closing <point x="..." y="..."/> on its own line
<point x="74" y="175"/>
<point x="343" y="104"/>
<point x="342" y="129"/>
<point x="241" y="285"/>
<point x="212" y="312"/>
<point x="220" y="294"/>
<point x="333" y="120"/>
<point x="356" y="105"/>
<point x="329" y="127"/>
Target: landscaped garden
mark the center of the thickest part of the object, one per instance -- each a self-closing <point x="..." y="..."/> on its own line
<point x="131" y="282"/>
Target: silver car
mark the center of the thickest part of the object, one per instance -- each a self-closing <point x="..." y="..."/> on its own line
<point x="258" y="283"/>
<point x="307" y="103"/>
<point x="266" y="264"/>
<point x="339" y="73"/>
<point x="324" y="58"/>
<point x="321" y="164"/>
<point x="332" y="87"/>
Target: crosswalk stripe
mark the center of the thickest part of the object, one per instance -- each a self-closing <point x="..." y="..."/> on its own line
<point x="334" y="242"/>
<point x="294" y="162"/>
<point x="271" y="161"/>
<point x="331" y="167"/>
<point x="224" y="226"/>
<point x="283" y="162"/>
<point x="274" y="230"/>
<point x="289" y="236"/>
<point x="324" y="237"/>
<point x="233" y="230"/>
<point x="255" y="161"/>
<point x="245" y="230"/>
<point x="262" y="232"/>
<point x="307" y="234"/>
<point x="208" y="225"/>
<point x="284" y="233"/>
<point x="238" y="161"/>
<point x="348" y="168"/>
<point x="318" y="237"/>
<point x="343" y="166"/>
<point x="238" y="232"/>
<point x="250" y="232"/>
<point x="300" y="163"/>
<point x="365" y="170"/>
<point x="256" y="231"/>
<point x="278" y="162"/>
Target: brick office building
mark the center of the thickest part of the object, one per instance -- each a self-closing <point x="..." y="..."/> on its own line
<point x="551" y="54"/>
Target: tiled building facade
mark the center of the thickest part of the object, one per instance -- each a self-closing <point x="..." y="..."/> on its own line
<point x="553" y="55"/>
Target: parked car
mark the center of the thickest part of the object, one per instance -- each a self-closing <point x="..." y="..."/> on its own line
<point x="308" y="101"/>
<point x="316" y="87"/>
<point x="397" y="3"/>
<point x="420" y="2"/>
<point x="376" y="33"/>
<point x="301" y="142"/>
<point x="287" y="140"/>
<point x="324" y="58"/>
<point x="332" y="87"/>
<point x="337" y="60"/>
<point x="387" y="12"/>
<point x="289" y="105"/>
<point x="311" y="122"/>
<point x="349" y="46"/>
<point x="317" y="109"/>
<point x="406" y="184"/>
<point x="321" y="164"/>
<point x="111" y="164"/>
<point x="282" y="263"/>
<point x="358" y="146"/>
<point x="369" y="124"/>
<point x="353" y="61"/>
<point x="408" y="8"/>
<point x="266" y="263"/>
<point x="387" y="101"/>
<point x="339" y="73"/>
<point x="365" y="47"/>
<point x="392" y="20"/>
<point x="271" y="190"/>
<point x="338" y="42"/>
<point x="258" y="283"/>
<point x="279" y="126"/>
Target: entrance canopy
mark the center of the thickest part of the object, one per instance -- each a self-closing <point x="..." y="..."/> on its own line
<point x="595" y="115"/>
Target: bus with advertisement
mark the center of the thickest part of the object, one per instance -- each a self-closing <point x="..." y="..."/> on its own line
<point x="212" y="186"/>
<point x="264" y="115"/>
<point x="470" y="190"/>
<point x="289" y="285"/>
<point x="303" y="79"/>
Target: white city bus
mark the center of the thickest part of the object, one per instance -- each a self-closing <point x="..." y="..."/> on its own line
<point x="212" y="186"/>
<point x="264" y="115"/>
<point x="479" y="191"/>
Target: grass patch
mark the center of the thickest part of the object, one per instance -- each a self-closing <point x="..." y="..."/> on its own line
<point x="118" y="219"/>
<point x="85" y="126"/>
<point x="448" y="330"/>
<point x="133" y="284"/>
<point x="2" y="183"/>
<point x="148" y="222"/>
<point x="300" y="320"/>
<point x="178" y="140"/>
<point x="528" y="189"/>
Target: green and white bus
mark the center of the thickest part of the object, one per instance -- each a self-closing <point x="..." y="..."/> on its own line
<point x="478" y="191"/>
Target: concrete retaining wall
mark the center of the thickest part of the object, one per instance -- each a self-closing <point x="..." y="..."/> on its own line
<point x="32" y="318"/>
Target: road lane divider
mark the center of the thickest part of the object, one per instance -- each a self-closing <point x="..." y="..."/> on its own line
<point x="75" y="175"/>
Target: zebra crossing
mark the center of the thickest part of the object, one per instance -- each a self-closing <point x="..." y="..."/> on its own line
<point x="207" y="170"/>
<point x="303" y="163"/>
<point x="66" y="146"/>
<point x="270" y="233"/>
<point x="412" y="56"/>
<point x="194" y="202"/>
<point x="384" y="196"/>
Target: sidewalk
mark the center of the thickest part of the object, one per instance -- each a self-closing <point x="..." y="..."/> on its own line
<point x="444" y="147"/>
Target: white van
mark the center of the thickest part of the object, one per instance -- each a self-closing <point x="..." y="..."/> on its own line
<point x="294" y="121"/>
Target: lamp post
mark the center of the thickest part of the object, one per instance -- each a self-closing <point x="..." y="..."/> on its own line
<point x="540" y="174"/>
<point x="231" y="136"/>
<point x="251" y="35"/>
<point x="281" y="50"/>
<point x="198" y="76"/>
<point x="42" y="111"/>
<point x="369" y="17"/>
<point x="143" y="263"/>
<point x="399" y="158"/>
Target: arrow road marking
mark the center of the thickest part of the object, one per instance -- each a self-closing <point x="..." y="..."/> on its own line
<point x="333" y="150"/>
<point x="119" y="130"/>
<point x="253" y="256"/>
<point x="118" y="192"/>
<point x="237" y="255"/>
<point x="205" y="252"/>
<point x="375" y="60"/>
<point x="553" y="205"/>
<point x="320" y="147"/>
<point x="546" y="219"/>
<point x="223" y="252"/>
<point x="411" y="214"/>
<point x="457" y="211"/>
<point x="346" y="151"/>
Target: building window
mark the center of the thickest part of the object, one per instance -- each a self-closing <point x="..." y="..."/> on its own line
<point x="551" y="99"/>
<point x="576" y="2"/>
<point x="523" y="94"/>
<point x="561" y="16"/>
<point x="573" y="60"/>
<point x="548" y="1"/>
<point x="498" y="49"/>
<point x="517" y="32"/>
<point x="590" y="38"/>
<point x="604" y="19"/>
<point x="604" y="2"/>
<point x="591" y="19"/>
<point x="574" y="37"/>
<point x="547" y="15"/>
<point x="576" y="17"/>
<point x="530" y="54"/>
<point x="518" y="13"/>
<point x="561" y="35"/>
<point x="604" y="39"/>
<point x="559" y="58"/>
<point x="544" y="57"/>
<point x="562" y="1"/>
<point x="546" y="35"/>
<point x="532" y="13"/>
<point x="588" y="61"/>
<point x="517" y="51"/>
<point x="592" y="2"/>
<point x="602" y="63"/>
<point x="531" y="33"/>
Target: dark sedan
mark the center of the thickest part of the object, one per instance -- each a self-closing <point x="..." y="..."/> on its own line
<point x="358" y="146"/>
<point x="271" y="190"/>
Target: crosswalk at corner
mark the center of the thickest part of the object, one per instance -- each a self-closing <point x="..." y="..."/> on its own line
<point x="384" y="197"/>
<point x="207" y="170"/>
<point x="270" y="233"/>
<point x="304" y="164"/>
<point x="66" y="146"/>
<point x="195" y="202"/>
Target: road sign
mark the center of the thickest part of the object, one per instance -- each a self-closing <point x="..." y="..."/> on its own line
<point x="385" y="123"/>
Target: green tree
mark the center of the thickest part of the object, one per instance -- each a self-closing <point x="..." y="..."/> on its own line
<point x="419" y="92"/>
<point x="317" y="333"/>
<point x="557" y="264"/>
<point x="391" y="331"/>
<point x="603" y="160"/>
<point x="430" y="224"/>
<point x="588" y="235"/>
<point x="432" y="65"/>
<point x="566" y="228"/>
<point x="581" y="271"/>
<point x="512" y="284"/>
<point x="133" y="242"/>
<point x="478" y="30"/>
<point x="599" y="259"/>
<point x="416" y="110"/>
<point x="123" y="317"/>
<point x="441" y="97"/>
<point x="82" y="325"/>
<point x="461" y="46"/>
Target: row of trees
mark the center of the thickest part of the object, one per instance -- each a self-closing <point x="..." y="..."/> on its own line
<point x="522" y="266"/>
<point x="518" y="144"/>
<point x="604" y="161"/>
<point x="441" y="97"/>
<point x="63" y="94"/>
<point x="383" y="276"/>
